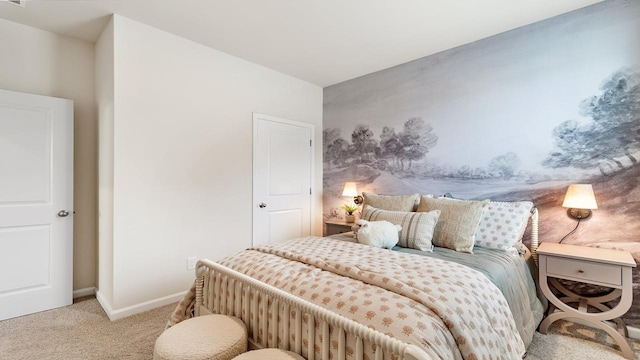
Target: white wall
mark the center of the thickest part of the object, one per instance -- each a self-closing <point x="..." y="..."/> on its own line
<point x="39" y="62"/>
<point x="182" y="157"/>
<point x="104" y="78"/>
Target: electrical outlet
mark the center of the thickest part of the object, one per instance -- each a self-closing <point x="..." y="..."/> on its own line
<point x="191" y="263"/>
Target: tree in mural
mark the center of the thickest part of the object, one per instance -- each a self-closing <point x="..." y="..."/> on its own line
<point x="401" y="149"/>
<point x="571" y="141"/>
<point x="504" y="166"/>
<point x="340" y="152"/>
<point x="336" y="149"/>
<point x="464" y="172"/>
<point x="617" y="111"/>
<point x="411" y="144"/>
<point x="328" y="137"/>
<point x="613" y="133"/>
<point x="417" y="138"/>
<point x="364" y="145"/>
<point x="390" y="147"/>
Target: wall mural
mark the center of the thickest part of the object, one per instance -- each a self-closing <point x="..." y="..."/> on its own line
<point x="518" y="116"/>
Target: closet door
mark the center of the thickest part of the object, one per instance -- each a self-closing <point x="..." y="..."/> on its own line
<point x="36" y="203"/>
<point x="282" y="163"/>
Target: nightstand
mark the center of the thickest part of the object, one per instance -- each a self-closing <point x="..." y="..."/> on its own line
<point x="336" y="226"/>
<point x="604" y="267"/>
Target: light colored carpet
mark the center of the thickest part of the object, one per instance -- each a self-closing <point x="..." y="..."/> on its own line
<point x="568" y="341"/>
<point x="83" y="331"/>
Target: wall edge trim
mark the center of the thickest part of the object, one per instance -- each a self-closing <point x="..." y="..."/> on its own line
<point x="88" y="291"/>
<point x="116" y="314"/>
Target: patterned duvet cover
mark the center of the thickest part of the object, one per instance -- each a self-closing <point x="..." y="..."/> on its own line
<point x="448" y="309"/>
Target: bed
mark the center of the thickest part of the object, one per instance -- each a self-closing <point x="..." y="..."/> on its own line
<point x="333" y="298"/>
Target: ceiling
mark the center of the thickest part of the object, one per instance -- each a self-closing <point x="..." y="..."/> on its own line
<point x="323" y="42"/>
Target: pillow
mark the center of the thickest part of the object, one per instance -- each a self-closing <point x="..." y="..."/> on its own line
<point x="502" y="224"/>
<point x="458" y="221"/>
<point x="391" y="202"/>
<point x="417" y="228"/>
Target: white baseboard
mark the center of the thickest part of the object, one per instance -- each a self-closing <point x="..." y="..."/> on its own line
<point x="88" y="291"/>
<point x="137" y="308"/>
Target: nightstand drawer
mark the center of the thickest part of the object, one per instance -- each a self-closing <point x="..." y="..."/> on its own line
<point x="336" y="227"/>
<point x="587" y="271"/>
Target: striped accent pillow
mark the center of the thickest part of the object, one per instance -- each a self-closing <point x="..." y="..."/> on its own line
<point x="417" y="228"/>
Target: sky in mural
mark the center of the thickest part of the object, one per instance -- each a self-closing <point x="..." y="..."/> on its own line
<point x="505" y="94"/>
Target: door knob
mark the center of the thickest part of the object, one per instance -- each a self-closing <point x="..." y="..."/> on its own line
<point x="262" y="205"/>
<point x="63" y="213"/>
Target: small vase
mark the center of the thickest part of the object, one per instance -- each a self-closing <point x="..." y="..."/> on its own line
<point x="350" y="218"/>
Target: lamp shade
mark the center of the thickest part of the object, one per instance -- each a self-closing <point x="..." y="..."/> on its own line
<point x="580" y="196"/>
<point x="350" y="189"/>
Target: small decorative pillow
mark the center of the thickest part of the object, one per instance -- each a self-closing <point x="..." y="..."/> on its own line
<point x="502" y="224"/>
<point x="458" y="221"/>
<point x="391" y="202"/>
<point x="417" y="228"/>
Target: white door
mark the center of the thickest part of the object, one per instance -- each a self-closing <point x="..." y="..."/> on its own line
<point x="36" y="200"/>
<point x="282" y="163"/>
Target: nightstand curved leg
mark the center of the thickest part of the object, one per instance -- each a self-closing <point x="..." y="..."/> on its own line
<point x="622" y="327"/>
<point x="617" y="337"/>
<point x="550" y="319"/>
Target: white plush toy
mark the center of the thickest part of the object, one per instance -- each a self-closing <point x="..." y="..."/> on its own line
<point x="382" y="234"/>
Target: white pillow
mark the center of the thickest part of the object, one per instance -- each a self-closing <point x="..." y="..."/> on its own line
<point x="417" y="228"/>
<point x="502" y="224"/>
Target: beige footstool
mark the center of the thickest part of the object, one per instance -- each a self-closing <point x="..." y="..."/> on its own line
<point x="269" y="354"/>
<point x="208" y="337"/>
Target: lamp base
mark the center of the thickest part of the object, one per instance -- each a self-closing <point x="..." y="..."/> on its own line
<point x="579" y="213"/>
<point x="358" y="200"/>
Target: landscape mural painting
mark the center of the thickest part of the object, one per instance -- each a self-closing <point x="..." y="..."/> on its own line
<point x="517" y="116"/>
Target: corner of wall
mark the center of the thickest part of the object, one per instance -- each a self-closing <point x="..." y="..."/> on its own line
<point x="139" y="91"/>
<point x="135" y="309"/>
<point x="104" y="83"/>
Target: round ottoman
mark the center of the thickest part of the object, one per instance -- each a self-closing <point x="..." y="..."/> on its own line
<point x="269" y="354"/>
<point x="208" y="337"/>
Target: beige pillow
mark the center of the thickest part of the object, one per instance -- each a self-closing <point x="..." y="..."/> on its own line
<point x="417" y="228"/>
<point x="391" y="202"/>
<point x="457" y="223"/>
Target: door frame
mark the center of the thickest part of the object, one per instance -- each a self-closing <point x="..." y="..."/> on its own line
<point x="312" y="203"/>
